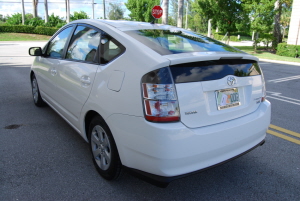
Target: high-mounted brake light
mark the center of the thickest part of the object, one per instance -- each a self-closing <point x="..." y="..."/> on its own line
<point x="159" y="96"/>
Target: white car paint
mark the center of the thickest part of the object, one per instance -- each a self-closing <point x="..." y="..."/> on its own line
<point x="114" y="91"/>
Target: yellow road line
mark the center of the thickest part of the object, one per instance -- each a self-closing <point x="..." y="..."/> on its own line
<point x="283" y="136"/>
<point x="285" y="130"/>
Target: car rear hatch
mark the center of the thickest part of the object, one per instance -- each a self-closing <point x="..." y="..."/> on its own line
<point x="217" y="90"/>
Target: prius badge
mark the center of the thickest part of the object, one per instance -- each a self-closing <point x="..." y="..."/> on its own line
<point x="231" y="81"/>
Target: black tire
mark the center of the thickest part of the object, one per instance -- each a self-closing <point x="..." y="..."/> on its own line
<point x="104" y="150"/>
<point x="37" y="99"/>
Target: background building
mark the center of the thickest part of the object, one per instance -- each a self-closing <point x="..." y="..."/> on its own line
<point x="294" y="32"/>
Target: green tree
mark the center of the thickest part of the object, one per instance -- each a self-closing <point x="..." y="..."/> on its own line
<point x="79" y="15"/>
<point x="116" y="12"/>
<point x="279" y="6"/>
<point x="55" y="21"/>
<point x="197" y="20"/>
<point x="261" y="13"/>
<point x="14" y="19"/>
<point x="141" y="9"/>
<point x="2" y="18"/>
<point x="224" y="13"/>
<point x="285" y="20"/>
<point x="171" y="21"/>
<point x="174" y="10"/>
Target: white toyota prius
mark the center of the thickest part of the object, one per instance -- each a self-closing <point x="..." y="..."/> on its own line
<point x="160" y="101"/>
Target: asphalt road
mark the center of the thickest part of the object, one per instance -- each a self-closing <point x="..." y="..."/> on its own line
<point x="43" y="158"/>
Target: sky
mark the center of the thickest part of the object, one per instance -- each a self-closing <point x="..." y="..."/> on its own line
<point x="9" y="7"/>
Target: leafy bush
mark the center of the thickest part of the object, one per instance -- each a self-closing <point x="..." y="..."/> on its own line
<point x="284" y="49"/>
<point x="29" y="29"/>
<point x="45" y="30"/>
<point x="17" y="29"/>
<point x="35" y="22"/>
<point x="15" y="19"/>
<point x="54" y="21"/>
<point x="79" y="15"/>
<point x="266" y="38"/>
<point x="222" y="37"/>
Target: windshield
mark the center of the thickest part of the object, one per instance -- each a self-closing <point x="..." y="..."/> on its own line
<point x="177" y="41"/>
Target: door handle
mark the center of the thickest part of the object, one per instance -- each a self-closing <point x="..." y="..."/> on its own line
<point x="53" y="72"/>
<point x="85" y="80"/>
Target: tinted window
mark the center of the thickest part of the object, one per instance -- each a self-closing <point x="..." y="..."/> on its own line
<point x="213" y="70"/>
<point x="56" y="46"/>
<point x="176" y="41"/>
<point x="110" y="49"/>
<point x="84" y="44"/>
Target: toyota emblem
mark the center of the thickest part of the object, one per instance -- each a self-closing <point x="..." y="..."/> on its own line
<point x="231" y="81"/>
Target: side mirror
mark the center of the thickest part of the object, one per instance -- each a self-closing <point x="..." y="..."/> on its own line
<point x="35" y="51"/>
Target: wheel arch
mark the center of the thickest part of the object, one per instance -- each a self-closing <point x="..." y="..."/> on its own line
<point x="87" y="120"/>
<point x="31" y="74"/>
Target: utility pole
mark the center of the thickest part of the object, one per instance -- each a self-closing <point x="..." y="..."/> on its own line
<point x="104" y="10"/>
<point x="23" y="12"/>
<point x="46" y="11"/>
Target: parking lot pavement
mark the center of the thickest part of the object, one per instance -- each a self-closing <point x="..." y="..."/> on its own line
<point x="43" y="158"/>
<point x="16" y="52"/>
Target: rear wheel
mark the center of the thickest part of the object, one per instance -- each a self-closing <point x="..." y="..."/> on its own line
<point x="104" y="151"/>
<point x="37" y="99"/>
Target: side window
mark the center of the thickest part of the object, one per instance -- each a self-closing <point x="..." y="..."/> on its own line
<point x="110" y="49"/>
<point x="56" y="46"/>
<point x="84" y="44"/>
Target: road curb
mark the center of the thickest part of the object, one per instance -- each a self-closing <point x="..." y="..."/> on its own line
<point x="281" y="62"/>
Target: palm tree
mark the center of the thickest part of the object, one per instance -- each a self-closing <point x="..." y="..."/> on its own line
<point x="285" y="20"/>
<point x="180" y="13"/>
<point x="23" y="13"/>
<point x="46" y="11"/>
<point x="165" y="12"/>
<point x="34" y="5"/>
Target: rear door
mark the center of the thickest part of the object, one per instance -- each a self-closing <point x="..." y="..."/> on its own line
<point x="211" y="92"/>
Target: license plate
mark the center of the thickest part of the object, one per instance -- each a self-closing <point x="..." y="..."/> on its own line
<point x="227" y="98"/>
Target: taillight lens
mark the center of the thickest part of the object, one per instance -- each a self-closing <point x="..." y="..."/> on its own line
<point x="264" y="91"/>
<point x="159" y="96"/>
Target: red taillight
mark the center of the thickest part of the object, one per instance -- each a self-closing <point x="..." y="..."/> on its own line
<point x="159" y="97"/>
<point x="264" y="91"/>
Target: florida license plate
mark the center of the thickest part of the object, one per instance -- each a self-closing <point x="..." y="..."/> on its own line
<point x="227" y="98"/>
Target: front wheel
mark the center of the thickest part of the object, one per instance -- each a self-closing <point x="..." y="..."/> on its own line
<point x="37" y="99"/>
<point x="104" y="151"/>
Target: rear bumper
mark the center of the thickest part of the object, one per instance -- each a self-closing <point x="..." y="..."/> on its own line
<point x="161" y="181"/>
<point x="169" y="150"/>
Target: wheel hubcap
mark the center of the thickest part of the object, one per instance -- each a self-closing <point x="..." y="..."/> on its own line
<point x="101" y="147"/>
<point x="35" y="91"/>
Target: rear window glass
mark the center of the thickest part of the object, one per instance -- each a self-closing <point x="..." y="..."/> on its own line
<point x="176" y="41"/>
<point x="213" y="70"/>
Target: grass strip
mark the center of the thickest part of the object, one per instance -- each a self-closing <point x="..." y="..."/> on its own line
<point x="22" y="37"/>
<point x="262" y="53"/>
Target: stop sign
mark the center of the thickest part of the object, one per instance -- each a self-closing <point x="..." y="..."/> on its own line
<point x="157" y="12"/>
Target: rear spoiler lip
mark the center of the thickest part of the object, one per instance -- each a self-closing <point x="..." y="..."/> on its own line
<point x="206" y="56"/>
